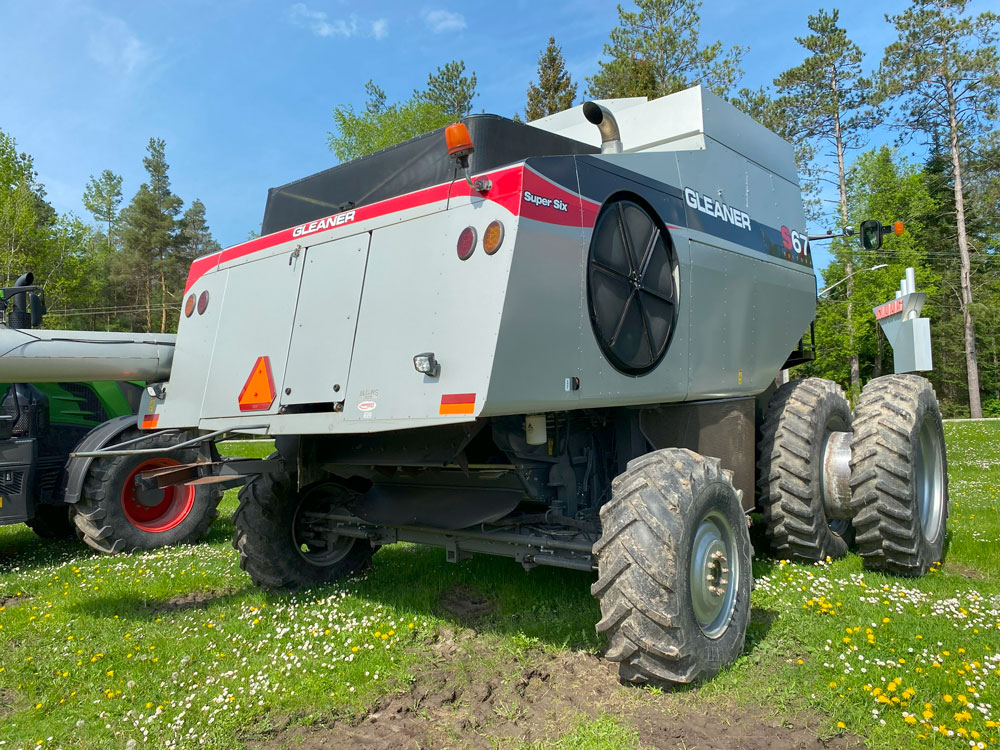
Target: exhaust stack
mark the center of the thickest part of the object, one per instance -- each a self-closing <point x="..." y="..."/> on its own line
<point x="611" y="139"/>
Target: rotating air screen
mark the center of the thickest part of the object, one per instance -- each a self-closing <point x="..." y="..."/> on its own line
<point x="631" y="287"/>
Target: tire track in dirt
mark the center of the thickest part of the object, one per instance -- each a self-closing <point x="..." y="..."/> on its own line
<point x="462" y="697"/>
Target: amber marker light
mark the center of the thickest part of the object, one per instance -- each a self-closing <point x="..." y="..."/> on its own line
<point x="189" y="306"/>
<point x="897" y="228"/>
<point x="493" y="237"/>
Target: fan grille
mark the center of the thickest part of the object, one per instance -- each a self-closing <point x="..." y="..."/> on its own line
<point x="631" y="287"/>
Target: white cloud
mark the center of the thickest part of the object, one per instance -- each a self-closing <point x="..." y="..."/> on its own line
<point x="440" y="21"/>
<point x="320" y="24"/>
<point x="113" y="44"/>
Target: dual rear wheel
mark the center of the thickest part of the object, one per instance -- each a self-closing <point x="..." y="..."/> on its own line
<point x="877" y="478"/>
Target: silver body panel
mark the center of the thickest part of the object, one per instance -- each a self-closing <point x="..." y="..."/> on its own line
<point x="351" y="305"/>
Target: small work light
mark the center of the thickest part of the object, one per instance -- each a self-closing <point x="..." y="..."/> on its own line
<point x="426" y="364"/>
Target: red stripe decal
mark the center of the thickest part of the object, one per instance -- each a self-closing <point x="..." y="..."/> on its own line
<point x="510" y="190"/>
<point x="458" y="398"/>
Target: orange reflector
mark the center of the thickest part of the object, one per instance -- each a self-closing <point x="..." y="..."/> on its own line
<point x="493" y="237"/>
<point x="149" y="421"/>
<point x="898" y="227"/>
<point x="458" y="139"/>
<point x="258" y="392"/>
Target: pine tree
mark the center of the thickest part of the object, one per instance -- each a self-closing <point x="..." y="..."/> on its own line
<point x="658" y="50"/>
<point x="826" y="93"/>
<point x="149" y="232"/>
<point x="942" y="76"/>
<point x="555" y="91"/>
<point x="194" y="238"/>
<point x="103" y="197"/>
<point x="450" y="90"/>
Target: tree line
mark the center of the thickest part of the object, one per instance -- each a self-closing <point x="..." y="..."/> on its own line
<point x="936" y="85"/>
<point x="125" y="271"/>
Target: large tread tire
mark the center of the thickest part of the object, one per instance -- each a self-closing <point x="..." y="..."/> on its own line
<point x="800" y="416"/>
<point x="899" y="475"/>
<point x="100" y="516"/>
<point x="52" y="522"/>
<point x="265" y="538"/>
<point x="644" y="563"/>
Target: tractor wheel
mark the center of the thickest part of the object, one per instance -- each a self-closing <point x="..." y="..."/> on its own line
<point x="52" y="522"/>
<point x="113" y="515"/>
<point x="674" y="569"/>
<point x="281" y="538"/>
<point x="801" y="418"/>
<point x="899" y="475"/>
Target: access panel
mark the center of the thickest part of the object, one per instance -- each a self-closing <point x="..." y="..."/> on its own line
<point x="326" y="317"/>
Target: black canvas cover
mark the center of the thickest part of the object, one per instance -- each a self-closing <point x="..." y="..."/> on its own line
<point x="418" y="163"/>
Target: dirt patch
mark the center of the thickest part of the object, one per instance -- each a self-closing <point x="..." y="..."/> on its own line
<point x="541" y="696"/>
<point x="965" y="571"/>
<point x="465" y="605"/>
<point x="7" y="697"/>
<point x="13" y="601"/>
<point x="193" y="600"/>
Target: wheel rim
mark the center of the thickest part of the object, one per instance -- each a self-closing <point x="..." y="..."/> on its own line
<point x="153" y="510"/>
<point x="714" y="574"/>
<point x="929" y="479"/>
<point x="311" y="534"/>
<point x="631" y="287"/>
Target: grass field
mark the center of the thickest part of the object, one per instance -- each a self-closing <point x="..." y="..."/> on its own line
<point x="176" y="648"/>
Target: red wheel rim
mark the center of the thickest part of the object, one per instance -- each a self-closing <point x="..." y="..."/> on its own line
<point x="174" y="506"/>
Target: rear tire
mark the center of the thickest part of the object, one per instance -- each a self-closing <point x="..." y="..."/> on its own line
<point x="800" y="417"/>
<point x="52" y="522"/>
<point x="899" y="475"/>
<point x="674" y="516"/>
<point x="113" y="516"/>
<point x="279" y="549"/>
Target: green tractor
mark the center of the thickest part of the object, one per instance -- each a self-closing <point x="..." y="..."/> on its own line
<point x="59" y="398"/>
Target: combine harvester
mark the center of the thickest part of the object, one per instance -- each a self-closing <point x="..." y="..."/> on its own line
<point x="559" y="347"/>
<point x="76" y="390"/>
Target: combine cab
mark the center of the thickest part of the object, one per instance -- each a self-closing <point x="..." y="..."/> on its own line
<point x="555" y="342"/>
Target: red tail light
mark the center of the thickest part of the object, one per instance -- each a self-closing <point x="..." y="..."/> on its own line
<point x="466" y="243"/>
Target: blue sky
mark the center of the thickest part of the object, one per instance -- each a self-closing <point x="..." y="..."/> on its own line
<point x="242" y="91"/>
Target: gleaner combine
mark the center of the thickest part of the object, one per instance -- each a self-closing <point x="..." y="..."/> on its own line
<point x="560" y="347"/>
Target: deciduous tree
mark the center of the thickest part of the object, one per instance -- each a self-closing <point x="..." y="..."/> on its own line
<point x="103" y="198"/>
<point x="381" y="124"/>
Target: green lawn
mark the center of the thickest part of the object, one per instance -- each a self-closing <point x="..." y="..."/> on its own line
<point x="176" y="648"/>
